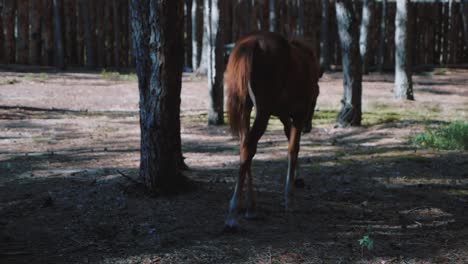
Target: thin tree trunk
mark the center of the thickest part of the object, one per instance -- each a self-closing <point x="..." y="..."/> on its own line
<point x="364" y="33"/>
<point x="194" y="10"/>
<point x="108" y="32"/>
<point x="89" y="37"/>
<point x="8" y="18"/>
<point x="188" y="32"/>
<point x="100" y="35"/>
<point x="1" y="33"/>
<point x="22" y="48"/>
<point x="157" y="31"/>
<point x="47" y="34"/>
<point x="35" y="33"/>
<point x="203" y="69"/>
<point x="116" y="34"/>
<point x="69" y="21"/>
<point x="383" y="37"/>
<point x="324" y="35"/>
<point x="272" y="15"/>
<point x="348" y="28"/>
<point x="215" y="35"/>
<point x="300" y="5"/>
<point x="79" y="34"/>
<point x="124" y="34"/>
<point x="403" y="83"/>
<point x="464" y="12"/>
<point x="58" y="36"/>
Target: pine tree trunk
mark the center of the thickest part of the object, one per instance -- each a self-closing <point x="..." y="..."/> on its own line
<point x="58" y="36"/>
<point x="203" y="69"/>
<point x="215" y="38"/>
<point x="464" y="12"/>
<point x="89" y="39"/>
<point x="324" y="35"/>
<point x="348" y="28"/>
<point x="364" y="33"/>
<point x="79" y="34"/>
<point x="403" y="83"/>
<point x="157" y="31"/>
<point x="8" y="18"/>
<point x="47" y="34"/>
<point x="272" y="15"/>
<point x="197" y="32"/>
<point x="35" y="33"/>
<point x="1" y="34"/>
<point x="116" y="7"/>
<point x="100" y="35"/>
<point x="69" y="21"/>
<point x="383" y="37"/>
<point x="22" y="48"/>
<point x="300" y="5"/>
<point x="188" y="33"/>
<point x="108" y="32"/>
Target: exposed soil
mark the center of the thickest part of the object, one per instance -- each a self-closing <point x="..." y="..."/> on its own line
<point x="69" y="156"/>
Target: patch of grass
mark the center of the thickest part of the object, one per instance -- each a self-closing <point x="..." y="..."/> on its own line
<point x="453" y="136"/>
<point x="441" y="71"/>
<point x="116" y="76"/>
<point x="9" y="81"/>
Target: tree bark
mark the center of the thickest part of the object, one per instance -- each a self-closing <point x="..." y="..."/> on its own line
<point x="8" y="18"/>
<point x="324" y="35"/>
<point x="188" y="32"/>
<point x="117" y="43"/>
<point x="47" y="34"/>
<point x="69" y="21"/>
<point x="157" y="31"/>
<point x="89" y="39"/>
<point x="215" y="38"/>
<point x="403" y="83"/>
<point x="108" y="32"/>
<point x="197" y="32"/>
<point x="348" y="28"/>
<point x="383" y="37"/>
<point x="1" y="33"/>
<point x="100" y="35"/>
<point x="203" y="69"/>
<point x="35" y="33"/>
<point x="22" y="48"/>
<point x="300" y="5"/>
<point x="366" y="18"/>
<point x="58" y="36"/>
<point x="79" y="34"/>
<point x="272" y="15"/>
<point x="464" y="12"/>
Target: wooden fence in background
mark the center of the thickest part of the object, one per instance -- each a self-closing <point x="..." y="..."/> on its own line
<point x="96" y="34"/>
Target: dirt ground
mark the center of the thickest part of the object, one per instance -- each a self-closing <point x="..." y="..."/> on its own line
<point x="67" y="139"/>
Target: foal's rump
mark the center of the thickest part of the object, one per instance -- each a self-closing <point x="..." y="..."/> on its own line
<point x="255" y="74"/>
<point x="277" y="76"/>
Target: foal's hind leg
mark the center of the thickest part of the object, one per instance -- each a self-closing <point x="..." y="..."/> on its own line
<point x="248" y="149"/>
<point x="293" y="150"/>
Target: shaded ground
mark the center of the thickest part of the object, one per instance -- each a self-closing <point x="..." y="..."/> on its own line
<point x="66" y="139"/>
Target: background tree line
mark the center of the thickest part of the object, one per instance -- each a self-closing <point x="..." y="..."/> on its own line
<point x="96" y="34"/>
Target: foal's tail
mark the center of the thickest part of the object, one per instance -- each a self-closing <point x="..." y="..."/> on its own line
<point x="237" y="79"/>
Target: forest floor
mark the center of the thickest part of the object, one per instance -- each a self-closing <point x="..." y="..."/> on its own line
<point x="69" y="156"/>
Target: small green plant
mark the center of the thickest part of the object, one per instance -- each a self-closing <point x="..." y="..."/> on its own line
<point x="116" y="76"/>
<point x="110" y="76"/>
<point x="366" y="242"/>
<point x="453" y="136"/>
